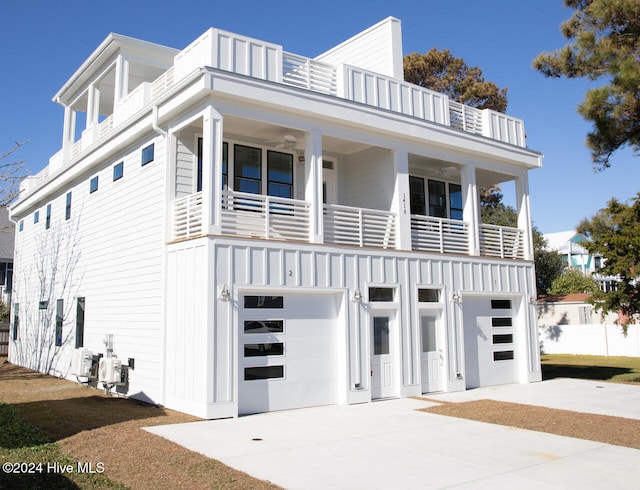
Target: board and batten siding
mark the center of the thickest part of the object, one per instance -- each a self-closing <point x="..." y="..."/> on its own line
<point x="202" y="334"/>
<point x="118" y="254"/>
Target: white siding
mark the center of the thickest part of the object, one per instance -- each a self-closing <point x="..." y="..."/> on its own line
<point x="377" y="49"/>
<point x="114" y="241"/>
<point x="308" y="269"/>
<point x="366" y="179"/>
<point x="186" y="154"/>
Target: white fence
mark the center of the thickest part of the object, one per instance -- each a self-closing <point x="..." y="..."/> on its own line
<point x="595" y="340"/>
<point x="501" y="241"/>
<point x="359" y="227"/>
<point x="442" y="235"/>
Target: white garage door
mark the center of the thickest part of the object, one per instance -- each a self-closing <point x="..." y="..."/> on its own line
<point x="288" y="351"/>
<point x="490" y="341"/>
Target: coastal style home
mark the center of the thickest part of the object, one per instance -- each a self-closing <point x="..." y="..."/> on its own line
<point x="235" y="229"/>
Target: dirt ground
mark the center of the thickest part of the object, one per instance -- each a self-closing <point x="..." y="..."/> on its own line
<point x="92" y="427"/>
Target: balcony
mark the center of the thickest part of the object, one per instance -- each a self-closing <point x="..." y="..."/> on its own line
<point x="274" y="218"/>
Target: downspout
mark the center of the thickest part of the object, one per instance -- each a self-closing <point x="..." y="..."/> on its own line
<point x="163" y="336"/>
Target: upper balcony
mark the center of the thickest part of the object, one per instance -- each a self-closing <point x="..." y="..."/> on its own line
<point x="124" y="88"/>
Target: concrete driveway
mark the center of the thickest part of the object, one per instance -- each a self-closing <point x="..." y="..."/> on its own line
<point x="388" y="444"/>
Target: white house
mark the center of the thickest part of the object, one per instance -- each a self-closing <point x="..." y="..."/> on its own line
<point x="251" y="230"/>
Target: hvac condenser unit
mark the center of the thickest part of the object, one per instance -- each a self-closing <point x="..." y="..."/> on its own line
<point x="82" y="362"/>
<point x="111" y="371"/>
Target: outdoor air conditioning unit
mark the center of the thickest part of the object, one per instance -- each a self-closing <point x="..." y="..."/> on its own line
<point x="111" y="371"/>
<point x="82" y="363"/>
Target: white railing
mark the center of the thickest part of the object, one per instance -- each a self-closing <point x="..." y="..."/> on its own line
<point x="260" y="216"/>
<point x="501" y="241"/>
<point x="395" y="95"/>
<point x="439" y="234"/>
<point x="359" y="227"/>
<point x="464" y="117"/>
<point x="187" y="217"/>
<point x="309" y="74"/>
<point x="161" y="84"/>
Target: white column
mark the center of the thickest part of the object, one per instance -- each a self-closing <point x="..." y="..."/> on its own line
<point x="68" y="132"/>
<point x="313" y="184"/>
<point x="400" y="204"/>
<point x="122" y="80"/>
<point x="471" y="207"/>
<point x="524" y="213"/>
<point x="211" y="170"/>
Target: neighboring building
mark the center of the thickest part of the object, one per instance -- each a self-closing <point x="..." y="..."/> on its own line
<point x="568" y="245"/>
<point x="251" y="230"/>
<point x="7" y="241"/>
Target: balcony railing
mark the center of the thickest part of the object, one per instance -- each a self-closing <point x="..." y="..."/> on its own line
<point x="502" y="241"/>
<point x="275" y="218"/>
<point x="442" y="235"/>
<point x="260" y="216"/>
<point x="187" y="217"/>
<point x="359" y="227"/>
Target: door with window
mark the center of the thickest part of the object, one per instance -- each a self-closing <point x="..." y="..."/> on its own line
<point x="432" y="356"/>
<point x="382" y="356"/>
<point x="328" y="181"/>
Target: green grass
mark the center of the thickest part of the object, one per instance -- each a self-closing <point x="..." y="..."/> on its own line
<point x="21" y="443"/>
<point x="599" y="368"/>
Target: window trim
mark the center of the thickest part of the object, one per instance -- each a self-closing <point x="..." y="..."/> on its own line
<point x="59" y="321"/>
<point x="47" y="221"/>
<point x="67" y="208"/>
<point x="80" y="320"/>
<point x="94" y="184"/>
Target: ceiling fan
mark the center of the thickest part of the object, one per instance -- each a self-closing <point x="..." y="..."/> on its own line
<point x="288" y="142"/>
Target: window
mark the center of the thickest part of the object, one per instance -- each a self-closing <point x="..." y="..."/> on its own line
<point x="16" y="321"/>
<point x="147" y="154"/>
<point x="225" y="166"/>
<point x="263" y="301"/>
<point x="416" y="195"/>
<point x="428" y="327"/>
<point x="93" y="185"/>
<point x="500" y="304"/>
<point x="118" y="171"/>
<point x="36" y="217"/>
<point x="279" y="174"/>
<point x="47" y="219"/>
<point x="455" y="201"/>
<point x="506" y="338"/>
<point x="247" y="169"/>
<point x="59" y="321"/>
<point x="380" y="335"/>
<point x="501" y="322"/>
<point x="80" y="322"/>
<point x="263" y="350"/>
<point x="67" y="209"/>
<point x="264" y="326"/>
<point x="381" y="294"/>
<point x="427" y="295"/>
<point x="263" y="372"/>
<point x="505" y="355"/>
<point x="21" y="225"/>
<point x="199" y="165"/>
<point x="437" y="199"/>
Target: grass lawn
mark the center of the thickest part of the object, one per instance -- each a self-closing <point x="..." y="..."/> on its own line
<point x="615" y="369"/>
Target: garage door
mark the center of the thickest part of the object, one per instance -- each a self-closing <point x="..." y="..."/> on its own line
<point x="288" y="351"/>
<point x="490" y="341"/>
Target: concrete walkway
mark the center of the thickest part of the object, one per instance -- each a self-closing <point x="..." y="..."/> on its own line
<point x="388" y="444"/>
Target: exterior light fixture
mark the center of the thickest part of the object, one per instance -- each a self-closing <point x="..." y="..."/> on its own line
<point x="356" y="296"/>
<point x="455" y="297"/>
<point x="225" y="295"/>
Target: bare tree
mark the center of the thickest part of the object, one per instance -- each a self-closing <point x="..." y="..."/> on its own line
<point x="12" y="172"/>
<point x="49" y="278"/>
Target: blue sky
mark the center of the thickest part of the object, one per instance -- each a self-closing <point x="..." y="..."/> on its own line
<point x="43" y="42"/>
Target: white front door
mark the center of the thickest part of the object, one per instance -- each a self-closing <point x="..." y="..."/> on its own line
<point x="431" y="359"/>
<point x="382" y="365"/>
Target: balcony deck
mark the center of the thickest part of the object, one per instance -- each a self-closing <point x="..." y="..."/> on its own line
<point x="272" y="218"/>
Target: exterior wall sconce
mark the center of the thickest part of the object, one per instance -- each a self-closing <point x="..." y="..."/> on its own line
<point x="225" y="295"/>
<point x="301" y="158"/>
<point x="532" y="300"/>
<point x="455" y="297"/>
<point x="356" y="296"/>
